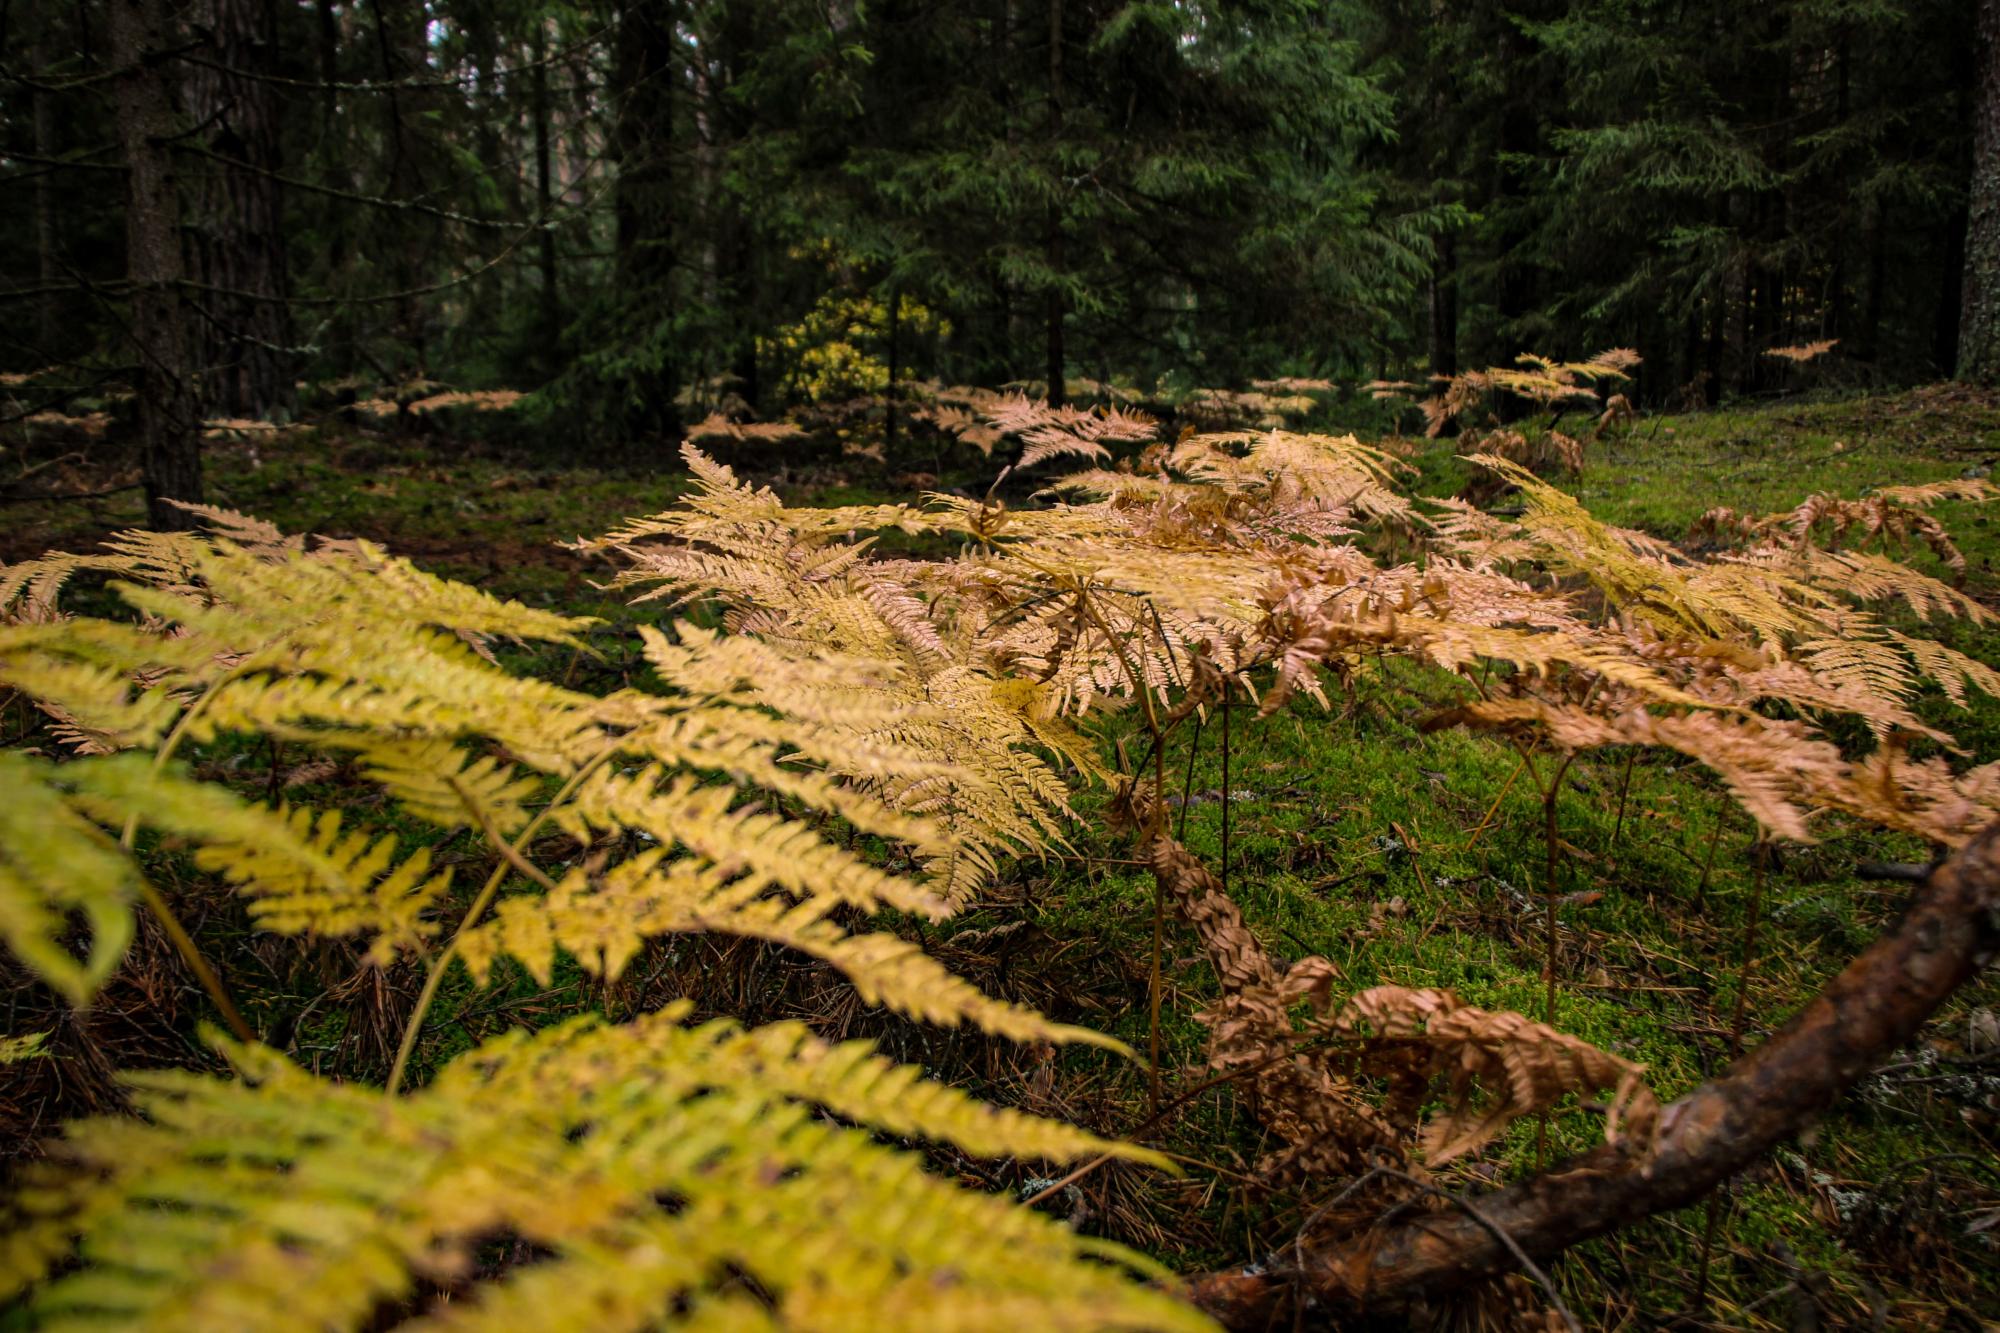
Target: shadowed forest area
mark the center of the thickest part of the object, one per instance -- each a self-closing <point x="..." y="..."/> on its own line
<point x="1060" y="665"/>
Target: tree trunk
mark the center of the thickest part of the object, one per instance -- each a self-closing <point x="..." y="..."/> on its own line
<point x="1871" y="1009"/>
<point x="1444" y="307"/>
<point x="47" y="308"/>
<point x="643" y="200"/>
<point x="329" y="68"/>
<point x="1979" y="311"/>
<point x="487" y="102"/>
<point x="895" y="366"/>
<point x="550" y="350"/>
<point x="169" y="405"/>
<point x="237" y="234"/>
<point x="1053" y="299"/>
<point x="742" y="273"/>
<point x="402" y="34"/>
<point x="1871" y="312"/>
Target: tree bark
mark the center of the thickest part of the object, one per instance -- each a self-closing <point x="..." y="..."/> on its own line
<point x="237" y="233"/>
<point x="47" y="269"/>
<point x="168" y="400"/>
<point x="1874" y="1006"/>
<point x="1979" y="311"/>
<point x="643" y="199"/>
<point x="1053" y="299"/>
<point x="894" y="354"/>
<point x="544" y="201"/>
<point x="402" y="36"/>
<point x="1444" y="307"/>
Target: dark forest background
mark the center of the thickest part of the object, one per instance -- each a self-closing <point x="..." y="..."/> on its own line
<point x="640" y="211"/>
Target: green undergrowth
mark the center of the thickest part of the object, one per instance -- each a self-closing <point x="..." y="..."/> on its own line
<point x="1417" y="859"/>
<point x="1404" y="855"/>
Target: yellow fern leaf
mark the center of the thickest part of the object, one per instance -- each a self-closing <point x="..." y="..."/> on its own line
<point x="279" y="1199"/>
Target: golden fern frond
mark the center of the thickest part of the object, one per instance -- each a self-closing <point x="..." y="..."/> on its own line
<point x="718" y="427"/>
<point x="56" y="859"/>
<point x="254" y="535"/>
<point x="27" y="1046"/>
<point x="441" y="783"/>
<point x="1772" y="768"/>
<point x="371" y="894"/>
<point x="722" y="506"/>
<point x="55" y="863"/>
<point x="1803" y="352"/>
<point x="603" y="920"/>
<point x="1633" y="570"/>
<point x="770" y="850"/>
<point x="311" y="651"/>
<point x="1951" y="669"/>
<point x="1870" y="667"/>
<point x="1923" y="495"/>
<point x="1495" y="1068"/>
<point x="1040" y="445"/>
<point x="278" y="1199"/>
<point x="1867" y="576"/>
<point x="105" y="706"/>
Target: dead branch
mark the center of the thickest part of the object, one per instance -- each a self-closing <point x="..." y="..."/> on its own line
<point x="1951" y="930"/>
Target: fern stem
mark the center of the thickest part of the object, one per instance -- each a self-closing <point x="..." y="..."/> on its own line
<point x="1759" y="855"/>
<point x="510" y="859"/>
<point x="1712" y="1224"/>
<point x="1708" y="862"/>
<point x="1487" y="821"/>
<point x="1187" y="783"/>
<point x="498" y="840"/>
<point x="1553" y="889"/>
<point x="173" y="740"/>
<point x="1155" y="982"/>
<point x="1226" y="697"/>
<point x="156" y="903"/>
<point x="1624" y="788"/>
<point x="191" y="955"/>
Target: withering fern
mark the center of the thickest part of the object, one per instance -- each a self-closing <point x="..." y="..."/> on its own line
<point x="660" y="1173"/>
<point x="657" y="1172"/>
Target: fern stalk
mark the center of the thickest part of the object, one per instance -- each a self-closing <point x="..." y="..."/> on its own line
<point x="1624" y="789"/>
<point x="1156" y="822"/>
<point x="1759" y="855"/>
<point x="157" y="904"/>
<point x="1486" y="821"/>
<point x="510" y="857"/>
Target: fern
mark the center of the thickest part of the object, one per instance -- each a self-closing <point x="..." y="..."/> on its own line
<point x="277" y="1199"/>
<point x="347" y="649"/>
<point x="870" y="736"/>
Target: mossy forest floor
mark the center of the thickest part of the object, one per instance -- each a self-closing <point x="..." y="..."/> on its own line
<point x="1403" y="856"/>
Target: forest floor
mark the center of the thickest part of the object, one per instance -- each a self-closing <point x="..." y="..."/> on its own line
<point x="1401" y="855"/>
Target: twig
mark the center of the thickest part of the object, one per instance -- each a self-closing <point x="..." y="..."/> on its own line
<point x="1494" y="808"/>
<point x="511" y="856"/>
<point x="1500" y="1234"/>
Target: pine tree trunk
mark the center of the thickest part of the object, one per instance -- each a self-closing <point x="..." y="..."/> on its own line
<point x="1870" y="349"/>
<point x="237" y="233"/>
<point x="329" y="67"/>
<point x="47" y="308"/>
<point x="550" y="350"/>
<point x="643" y="200"/>
<point x="1057" y="376"/>
<point x="169" y="405"/>
<point x="1444" y="307"/>
<point x="743" y="285"/>
<point x="486" y="101"/>
<point x="895" y="349"/>
<point x="402" y="35"/>
<point x="1979" y="311"/>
